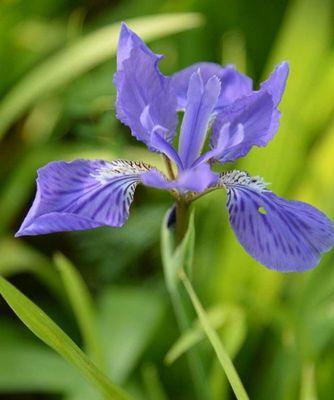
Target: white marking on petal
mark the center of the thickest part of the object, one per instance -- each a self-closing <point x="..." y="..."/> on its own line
<point x="236" y="177"/>
<point x="119" y="167"/>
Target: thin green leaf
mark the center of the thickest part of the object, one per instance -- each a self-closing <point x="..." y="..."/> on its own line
<point x="308" y="385"/>
<point x="17" y="257"/>
<point x="82" y="305"/>
<point x="80" y="57"/>
<point x="50" y="333"/>
<point x="128" y="319"/>
<point x="47" y="372"/>
<point x="154" y="388"/>
<point x="231" y="318"/>
<point x="217" y="345"/>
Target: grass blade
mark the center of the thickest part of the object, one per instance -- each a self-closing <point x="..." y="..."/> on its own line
<point x="194" y="335"/>
<point x="217" y="345"/>
<point x="82" y="305"/>
<point x="50" y="333"/>
<point x="82" y="56"/>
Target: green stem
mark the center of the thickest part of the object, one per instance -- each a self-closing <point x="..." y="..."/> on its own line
<point x="182" y="219"/>
<point x="196" y="368"/>
<point x="215" y="341"/>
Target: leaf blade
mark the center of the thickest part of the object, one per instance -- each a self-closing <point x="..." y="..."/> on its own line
<point x="85" y="54"/>
<point x="46" y="330"/>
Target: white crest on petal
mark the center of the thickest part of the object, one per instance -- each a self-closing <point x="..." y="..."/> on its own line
<point x="120" y="167"/>
<point x="236" y="177"/>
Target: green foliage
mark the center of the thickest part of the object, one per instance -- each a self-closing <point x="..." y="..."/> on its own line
<point x="57" y="102"/>
<point x="46" y="330"/>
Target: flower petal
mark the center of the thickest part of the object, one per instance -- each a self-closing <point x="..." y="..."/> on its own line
<point x="251" y="120"/>
<point x="201" y="100"/>
<point x="233" y="83"/>
<point x="196" y="179"/>
<point x="276" y="82"/>
<point x="141" y="87"/>
<point x="82" y="194"/>
<point x="282" y="234"/>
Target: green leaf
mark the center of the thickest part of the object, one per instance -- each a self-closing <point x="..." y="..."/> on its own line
<point x="50" y="333"/>
<point x="82" y="56"/>
<point x="231" y="318"/>
<point x="172" y="260"/>
<point x="308" y="384"/>
<point x="154" y="388"/>
<point x="186" y="250"/>
<point x="128" y="319"/>
<point x="47" y="372"/>
<point x="17" y="257"/>
<point x="82" y="305"/>
<point x="215" y="341"/>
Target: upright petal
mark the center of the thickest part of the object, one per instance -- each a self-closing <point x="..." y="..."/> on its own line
<point x="201" y="100"/>
<point x="233" y="83"/>
<point x="251" y="120"/>
<point x="82" y="194"/>
<point x="282" y="234"/>
<point x="141" y="88"/>
<point x="276" y="82"/>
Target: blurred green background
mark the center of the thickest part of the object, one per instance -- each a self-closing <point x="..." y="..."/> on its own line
<point x="57" y="102"/>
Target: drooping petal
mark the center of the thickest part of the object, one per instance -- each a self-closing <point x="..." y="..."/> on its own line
<point x="282" y="234"/>
<point x="82" y="194"/>
<point x="233" y="83"/>
<point x="141" y="88"/>
<point x="201" y="100"/>
<point x="250" y="119"/>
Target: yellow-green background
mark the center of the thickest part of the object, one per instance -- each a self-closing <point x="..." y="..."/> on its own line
<point x="57" y="102"/>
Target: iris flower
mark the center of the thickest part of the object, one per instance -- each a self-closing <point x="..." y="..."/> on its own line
<point x="223" y="114"/>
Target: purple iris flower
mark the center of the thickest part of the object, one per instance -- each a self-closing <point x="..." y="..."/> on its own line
<point x="222" y="113"/>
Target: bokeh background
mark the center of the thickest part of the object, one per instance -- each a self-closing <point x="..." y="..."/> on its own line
<point x="57" y="102"/>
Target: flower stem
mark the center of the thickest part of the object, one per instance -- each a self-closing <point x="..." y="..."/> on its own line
<point x="215" y="341"/>
<point x="182" y="219"/>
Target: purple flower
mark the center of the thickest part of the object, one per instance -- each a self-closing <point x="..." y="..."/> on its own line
<point x="220" y="108"/>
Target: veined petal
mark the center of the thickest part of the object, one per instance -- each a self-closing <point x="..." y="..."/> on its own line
<point x="282" y="234"/>
<point x="233" y="83"/>
<point x="141" y="87"/>
<point x="251" y="120"/>
<point x="201" y="100"/>
<point x="82" y="194"/>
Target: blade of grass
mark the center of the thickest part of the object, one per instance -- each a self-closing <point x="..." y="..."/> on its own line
<point x="213" y="337"/>
<point x="194" y="335"/>
<point x="50" y="333"/>
<point x="308" y="384"/>
<point x="151" y="380"/>
<point x="85" y="54"/>
<point x="18" y="257"/>
<point x="82" y="305"/>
